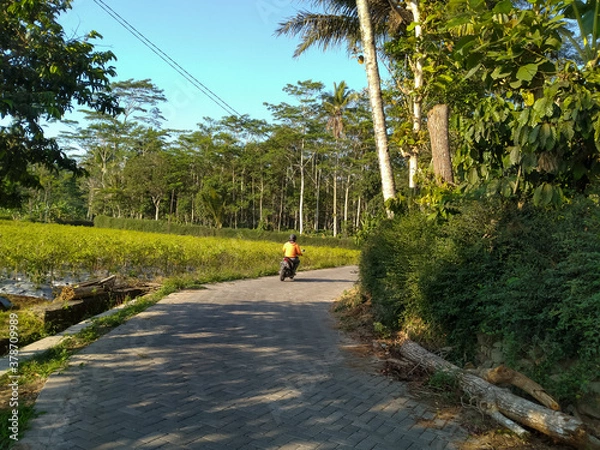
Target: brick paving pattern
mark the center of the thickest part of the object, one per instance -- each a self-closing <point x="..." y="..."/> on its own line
<point x="252" y="364"/>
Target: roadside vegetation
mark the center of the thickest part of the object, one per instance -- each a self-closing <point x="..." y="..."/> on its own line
<point x="521" y="279"/>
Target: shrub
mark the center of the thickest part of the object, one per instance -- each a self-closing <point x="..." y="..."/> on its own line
<point x="528" y="277"/>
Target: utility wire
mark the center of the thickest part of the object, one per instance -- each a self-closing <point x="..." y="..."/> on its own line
<point x="162" y="55"/>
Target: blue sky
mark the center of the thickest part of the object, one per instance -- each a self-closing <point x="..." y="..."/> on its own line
<point x="228" y="45"/>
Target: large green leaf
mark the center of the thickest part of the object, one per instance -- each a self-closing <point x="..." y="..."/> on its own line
<point x="515" y="155"/>
<point x="527" y="72"/>
<point x="543" y="194"/>
<point x="471" y="72"/>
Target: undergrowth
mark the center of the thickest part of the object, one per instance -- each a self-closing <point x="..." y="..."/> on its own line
<point x="525" y="277"/>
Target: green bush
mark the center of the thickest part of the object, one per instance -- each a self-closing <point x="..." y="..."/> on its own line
<point x="526" y="276"/>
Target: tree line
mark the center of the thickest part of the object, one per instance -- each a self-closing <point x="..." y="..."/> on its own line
<point x="311" y="169"/>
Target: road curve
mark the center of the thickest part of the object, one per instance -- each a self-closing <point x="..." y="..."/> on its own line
<point x="250" y="364"/>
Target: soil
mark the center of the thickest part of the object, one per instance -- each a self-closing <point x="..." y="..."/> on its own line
<point x="354" y="317"/>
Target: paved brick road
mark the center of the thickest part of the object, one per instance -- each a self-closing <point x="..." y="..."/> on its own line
<point x="252" y="364"/>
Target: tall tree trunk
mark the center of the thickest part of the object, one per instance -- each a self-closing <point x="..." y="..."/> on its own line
<point x="381" y="142"/>
<point x="318" y="198"/>
<point x="346" y="200"/>
<point x="413" y="7"/>
<point x="253" y="205"/>
<point x="261" y="200"/>
<point x="171" y="206"/>
<point x="156" y="202"/>
<point x="357" y="221"/>
<point x="279" y="222"/>
<point x="301" y="206"/>
<point x="437" y="124"/>
<point x="334" y="207"/>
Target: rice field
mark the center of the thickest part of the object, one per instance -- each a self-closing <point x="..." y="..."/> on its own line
<point x="45" y="252"/>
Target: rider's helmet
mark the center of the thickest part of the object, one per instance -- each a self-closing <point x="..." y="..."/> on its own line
<point x="292" y="237"/>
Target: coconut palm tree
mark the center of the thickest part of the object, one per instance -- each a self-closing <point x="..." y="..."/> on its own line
<point x="335" y="104"/>
<point x="351" y="21"/>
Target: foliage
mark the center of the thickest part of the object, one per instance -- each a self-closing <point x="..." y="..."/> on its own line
<point x="447" y="384"/>
<point x="43" y="73"/>
<point x="234" y="172"/>
<point x="587" y="42"/>
<point x="527" y="277"/>
<point x="535" y="136"/>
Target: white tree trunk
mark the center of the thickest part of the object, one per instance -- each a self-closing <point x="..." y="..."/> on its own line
<point x="413" y="7"/>
<point x="334" y="208"/>
<point x="346" y="200"/>
<point x="301" y="206"/>
<point x="374" y="83"/>
<point x="357" y="222"/>
<point x="317" y="197"/>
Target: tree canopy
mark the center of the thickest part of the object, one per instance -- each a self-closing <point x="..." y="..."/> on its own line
<point x="42" y="74"/>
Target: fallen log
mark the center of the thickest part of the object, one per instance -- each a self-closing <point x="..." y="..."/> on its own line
<point x="107" y="282"/>
<point x="505" y="407"/>
<point x="506" y="375"/>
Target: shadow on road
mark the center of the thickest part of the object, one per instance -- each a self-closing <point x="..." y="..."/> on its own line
<point x="218" y="369"/>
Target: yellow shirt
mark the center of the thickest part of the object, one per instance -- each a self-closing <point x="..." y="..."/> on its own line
<point x="291" y="250"/>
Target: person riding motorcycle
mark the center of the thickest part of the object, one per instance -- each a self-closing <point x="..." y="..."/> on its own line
<point x="292" y="250"/>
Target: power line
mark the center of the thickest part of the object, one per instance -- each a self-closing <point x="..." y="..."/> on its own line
<point x="162" y="55"/>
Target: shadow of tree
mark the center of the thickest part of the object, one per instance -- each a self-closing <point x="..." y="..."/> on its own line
<point x="243" y="365"/>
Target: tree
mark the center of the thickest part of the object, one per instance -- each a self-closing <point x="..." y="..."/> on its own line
<point x="146" y="176"/>
<point x="335" y="104"/>
<point x="42" y="73"/>
<point x="585" y="14"/>
<point x="351" y="22"/>
<point x="302" y="122"/>
<point x="109" y="140"/>
<point x="381" y="141"/>
<point x="138" y="100"/>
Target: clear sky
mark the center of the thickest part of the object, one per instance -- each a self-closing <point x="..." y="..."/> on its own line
<point x="227" y="45"/>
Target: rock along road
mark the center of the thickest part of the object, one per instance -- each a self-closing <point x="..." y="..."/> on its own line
<point x="251" y="364"/>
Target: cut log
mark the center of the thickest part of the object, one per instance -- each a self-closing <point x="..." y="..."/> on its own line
<point x="506" y="375"/>
<point x="88" y="289"/>
<point x="501" y="404"/>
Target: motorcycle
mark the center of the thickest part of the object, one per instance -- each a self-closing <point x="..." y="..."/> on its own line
<point x="287" y="269"/>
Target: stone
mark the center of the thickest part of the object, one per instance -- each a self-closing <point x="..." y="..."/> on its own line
<point x="5" y="303"/>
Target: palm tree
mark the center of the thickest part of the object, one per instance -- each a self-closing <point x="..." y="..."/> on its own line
<point x="335" y="104"/>
<point x="352" y="21"/>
